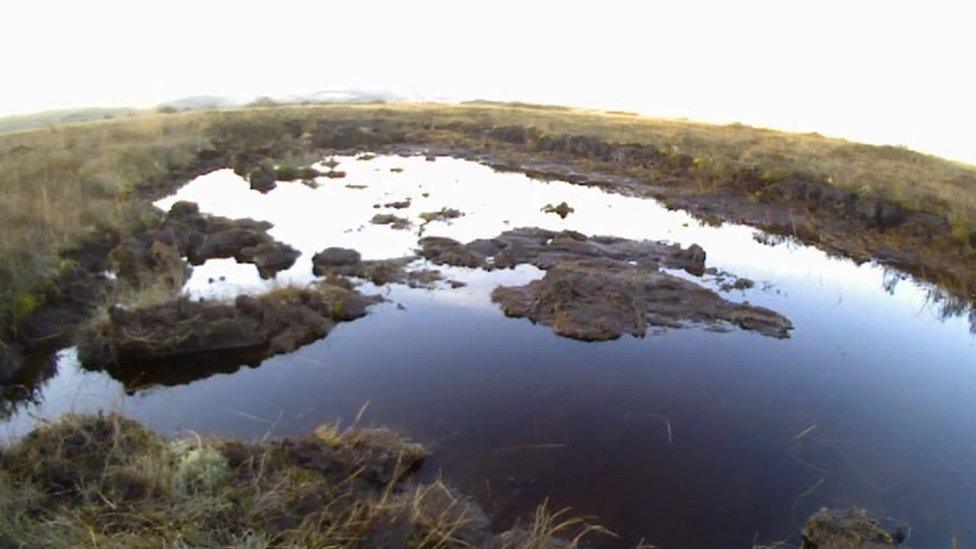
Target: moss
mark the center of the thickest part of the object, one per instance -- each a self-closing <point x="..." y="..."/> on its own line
<point x="199" y="465"/>
<point x="24" y="305"/>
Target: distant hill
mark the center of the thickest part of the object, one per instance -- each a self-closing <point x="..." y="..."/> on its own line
<point x="343" y="96"/>
<point x="194" y="103"/>
<point x="61" y="116"/>
<point x="200" y="102"/>
<point x="204" y="102"/>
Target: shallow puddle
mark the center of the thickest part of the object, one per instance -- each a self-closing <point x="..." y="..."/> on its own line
<point x="683" y="438"/>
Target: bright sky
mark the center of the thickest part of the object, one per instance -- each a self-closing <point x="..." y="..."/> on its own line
<point x="876" y="71"/>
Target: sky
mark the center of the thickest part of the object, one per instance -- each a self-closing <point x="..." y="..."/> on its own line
<point x="886" y="72"/>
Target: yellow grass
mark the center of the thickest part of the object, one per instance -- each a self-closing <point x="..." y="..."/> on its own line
<point x="106" y="481"/>
<point x="59" y="183"/>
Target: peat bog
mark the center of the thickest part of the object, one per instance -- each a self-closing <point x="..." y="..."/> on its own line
<point x="688" y="383"/>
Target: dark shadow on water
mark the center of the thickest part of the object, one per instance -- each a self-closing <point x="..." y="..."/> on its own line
<point x="182" y="371"/>
<point x="27" y="385"/>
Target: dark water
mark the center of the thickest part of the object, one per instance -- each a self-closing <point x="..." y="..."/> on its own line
<point x="689" y="438"/>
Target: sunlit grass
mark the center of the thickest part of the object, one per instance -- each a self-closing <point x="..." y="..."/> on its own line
<point x="58" y="184"/>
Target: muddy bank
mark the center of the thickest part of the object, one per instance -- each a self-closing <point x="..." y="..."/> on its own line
<point x="395" y="222"/>
<point x="347" y="262"/>
<point x="265" y="175"/>
<point x="108" y="264"/>
<point x="444" y="214"/>
<point x="397" y="204"/>
<point x="80" y="284"/>
<point x="106" y="480"/>
<point x="804" y="205"/>
<point x="598" y="288"/>
<point x="273" y="323"/>
<point x="11" y="359"/>
<point x="601" y="299"/>
<point x="545" y="249"/>
<point x="841" y="221"/>
<point x="201" y="237"/>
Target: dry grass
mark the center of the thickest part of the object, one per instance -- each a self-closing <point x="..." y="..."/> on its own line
<point x="106" y="481"/>
<point x="58" y="184"/>
<point x="917" y="181"/>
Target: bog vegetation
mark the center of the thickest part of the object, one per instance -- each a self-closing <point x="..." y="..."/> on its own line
<point x="106" y="481"/>
<point x="60" y="184"/>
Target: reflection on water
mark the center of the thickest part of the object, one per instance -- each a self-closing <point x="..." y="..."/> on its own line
<point x="686" y="438"/>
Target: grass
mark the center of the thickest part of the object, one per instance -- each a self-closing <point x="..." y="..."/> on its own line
<point x="914" y="180"/>
<point x="59" y="184"/>
<point x="106" y="481"/>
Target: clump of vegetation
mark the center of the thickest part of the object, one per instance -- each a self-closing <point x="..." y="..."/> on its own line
<point x="851" y="527"/>
<point x="562" y="209"/>
<point x="275" y="322"/>
<point x="442" y="214"/>
<point x="288" y="172"/>
<point x="262" y="177"/>
<point x="108" y="481"/>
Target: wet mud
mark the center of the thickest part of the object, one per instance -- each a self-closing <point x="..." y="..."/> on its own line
<point x="598" y="288"/>
<point x="347" y="262"/>
<point x="201" y="237"/>
<point x="601" y="299"/>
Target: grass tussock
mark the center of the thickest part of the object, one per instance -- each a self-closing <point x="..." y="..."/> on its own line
<point x="107" y="481"/>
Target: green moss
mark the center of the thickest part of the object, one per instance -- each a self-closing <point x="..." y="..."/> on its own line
<point x="24" y="305"/>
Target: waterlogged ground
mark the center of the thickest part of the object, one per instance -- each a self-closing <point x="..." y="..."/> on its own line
<point x="683" y="438"/>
